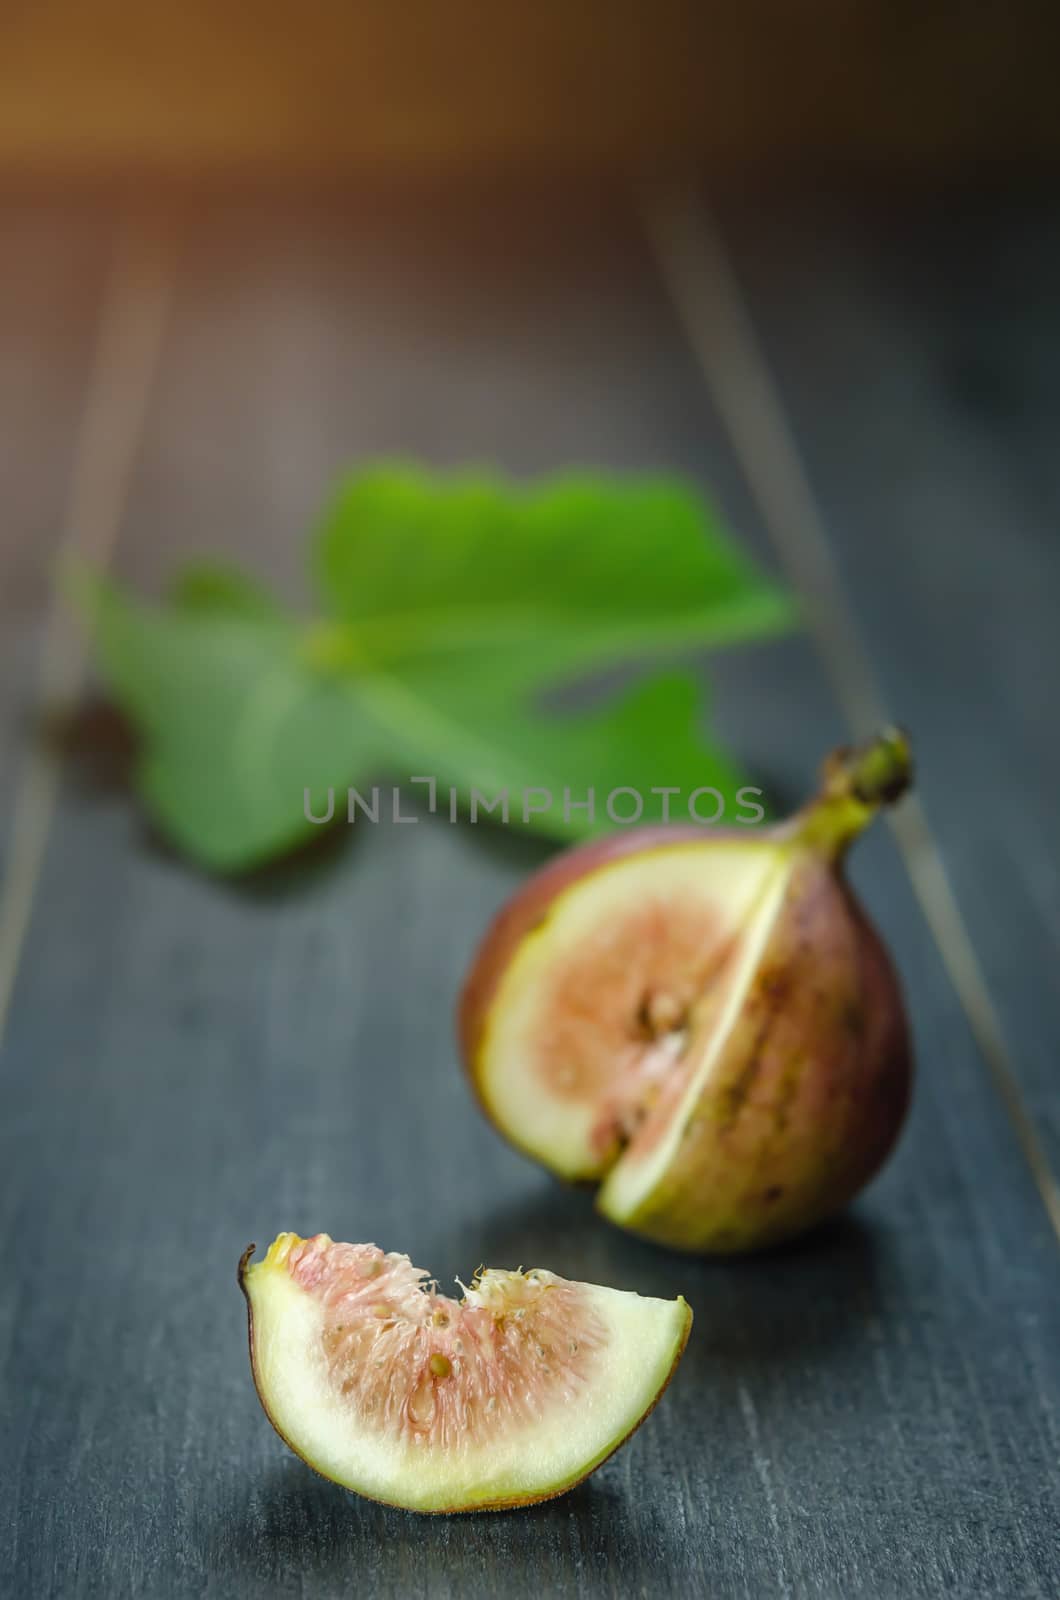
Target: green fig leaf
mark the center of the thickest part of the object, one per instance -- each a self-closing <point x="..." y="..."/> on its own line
<point x="451" y="606"/>
<point x="471" y="572"/>
<point x="235" y="727"/>
<point x="210" y="587"/>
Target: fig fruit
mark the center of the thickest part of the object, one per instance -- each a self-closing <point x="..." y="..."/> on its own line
<point x="511" y="1395"/>
<point x="702" y="1021"/>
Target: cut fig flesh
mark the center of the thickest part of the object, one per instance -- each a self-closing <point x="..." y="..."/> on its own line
<point x="510" y="1395"/>
<point x="705" y="1023"/>
<point x="609" y="1011"/>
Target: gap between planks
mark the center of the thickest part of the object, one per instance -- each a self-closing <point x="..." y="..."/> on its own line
<point x="710" y="304"/>
<point x="128" y="344"/>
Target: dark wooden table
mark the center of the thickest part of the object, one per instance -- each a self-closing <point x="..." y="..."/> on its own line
<point x="872" y="391"/>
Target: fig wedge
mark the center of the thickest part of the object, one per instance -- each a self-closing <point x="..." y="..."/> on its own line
<point x="508" y="1396"/>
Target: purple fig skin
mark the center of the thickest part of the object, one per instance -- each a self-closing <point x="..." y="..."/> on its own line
<point x="813" y="1082"/>
<point x="809" y="1095"/>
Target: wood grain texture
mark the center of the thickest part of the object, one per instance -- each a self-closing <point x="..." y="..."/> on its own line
<point x="127" y="328"/>
<point x="942" y="499"/>
<point x="18" y="654"/>
<point x="192" y="1065"/>
<point x="53" y="263"/>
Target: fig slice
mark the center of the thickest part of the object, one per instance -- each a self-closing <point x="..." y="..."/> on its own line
<point x="508" y="1396"/>
<point x="702" y="1021"/>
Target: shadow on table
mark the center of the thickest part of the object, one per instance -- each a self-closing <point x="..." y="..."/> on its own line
<point x="101" y="751"/>
<point x="795" y="1301"/>
<point x="297" y="1525"/>
<point x="765" y="1326"/>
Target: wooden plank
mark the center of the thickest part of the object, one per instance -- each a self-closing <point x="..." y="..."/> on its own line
<point x="17" y="659"/>
<point x="53" y="260"/>
<point x="109" y="404"/>
<point x="918" y="351"/>
<point x="190" y="1065"/>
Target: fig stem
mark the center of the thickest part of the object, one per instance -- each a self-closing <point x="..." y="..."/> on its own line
<point x="855" y="784"/>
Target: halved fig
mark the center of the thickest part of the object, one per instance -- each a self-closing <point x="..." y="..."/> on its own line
<point x="701" y="1021"/>
<point x="511" y="1395"/>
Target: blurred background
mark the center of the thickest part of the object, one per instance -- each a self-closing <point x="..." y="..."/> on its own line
<point x="373" y="88"/>
<point x="806" y="256"/>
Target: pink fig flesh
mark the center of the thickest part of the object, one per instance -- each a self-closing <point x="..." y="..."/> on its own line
<point x="510" y="1395"/>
